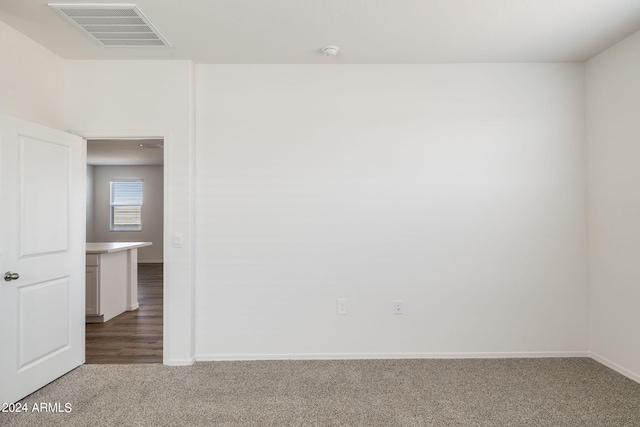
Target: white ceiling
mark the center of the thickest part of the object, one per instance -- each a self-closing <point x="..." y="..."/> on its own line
<point x="102" y="152"/>
<point x="366" y="31"/>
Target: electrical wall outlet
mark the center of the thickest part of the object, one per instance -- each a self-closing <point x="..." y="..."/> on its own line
<point x="397" y="307"/>
<point x="342" y="306"/>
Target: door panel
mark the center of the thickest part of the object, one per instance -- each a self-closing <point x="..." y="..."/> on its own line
<point x="44" y="335"/>
<point x="42" y="238"/>
<point x="44" y="203"/>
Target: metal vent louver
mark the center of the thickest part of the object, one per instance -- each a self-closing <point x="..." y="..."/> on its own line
<point x="113" y="25"/>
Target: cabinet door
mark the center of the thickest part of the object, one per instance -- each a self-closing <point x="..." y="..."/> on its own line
<point x="93" y="290"/>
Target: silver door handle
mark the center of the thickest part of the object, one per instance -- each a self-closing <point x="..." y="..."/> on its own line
<point x="9" y="276"/>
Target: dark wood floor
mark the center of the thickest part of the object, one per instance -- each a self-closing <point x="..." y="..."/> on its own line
<point x="133" y="336"/>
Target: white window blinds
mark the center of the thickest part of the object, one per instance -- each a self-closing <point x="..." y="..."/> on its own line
<point x="126" y="205"/>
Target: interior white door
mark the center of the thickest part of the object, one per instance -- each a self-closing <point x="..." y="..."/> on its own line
<point x="42" y="244"/>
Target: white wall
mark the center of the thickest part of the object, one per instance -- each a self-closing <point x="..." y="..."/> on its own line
<point x="149" y="99"/>
<point x="90" y="212"/>
<point x="31" y="80"/>
<point x="459" y="189"/>
<point x="613" y="118"/>
<point x="152" y="208"/>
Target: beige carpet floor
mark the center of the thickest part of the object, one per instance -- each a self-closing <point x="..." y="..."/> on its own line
<point x="467" y="392"/>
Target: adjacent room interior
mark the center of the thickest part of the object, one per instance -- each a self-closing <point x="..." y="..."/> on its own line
<point x="125" y="194"/>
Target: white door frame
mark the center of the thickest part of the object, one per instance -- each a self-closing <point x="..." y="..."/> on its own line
<point x="168" y="267"/>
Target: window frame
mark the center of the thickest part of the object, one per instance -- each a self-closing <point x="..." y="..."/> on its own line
<point x="126" y="228"/>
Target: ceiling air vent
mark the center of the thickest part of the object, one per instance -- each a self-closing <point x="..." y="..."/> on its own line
<point x="113" y="25"/>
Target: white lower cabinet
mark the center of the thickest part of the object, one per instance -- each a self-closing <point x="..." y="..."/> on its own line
<point x="92" y="305"/>
<point x="107" y="284"/>
<point x="111" y="279"/>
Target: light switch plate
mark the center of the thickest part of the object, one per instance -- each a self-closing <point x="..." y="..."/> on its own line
<point x="177" y="240"/>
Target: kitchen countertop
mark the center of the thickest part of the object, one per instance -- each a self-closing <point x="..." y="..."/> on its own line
<point x="107" y="247"/>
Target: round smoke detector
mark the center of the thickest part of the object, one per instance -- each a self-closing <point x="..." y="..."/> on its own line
<point x="330" y="50"/>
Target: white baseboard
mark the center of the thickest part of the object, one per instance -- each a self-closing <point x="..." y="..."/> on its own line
<point x="133" y="307"/>
<point x="354" y="356"/>
<point x="149" y="261"/>
<point x="343" y="356"/>
<point x="179" y="362"/>
<point x="609" y="364"/>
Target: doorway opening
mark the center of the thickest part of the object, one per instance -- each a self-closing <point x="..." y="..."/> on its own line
<point x="125" y="203"/>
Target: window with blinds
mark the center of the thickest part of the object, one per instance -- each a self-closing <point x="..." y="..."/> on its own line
<point x="126" y="205"/>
